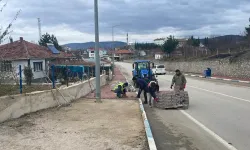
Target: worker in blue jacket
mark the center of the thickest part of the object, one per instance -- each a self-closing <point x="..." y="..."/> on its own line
<point x="143" y="86"/>
<point x="120" y="89"/>
<point x="152" y="89"/>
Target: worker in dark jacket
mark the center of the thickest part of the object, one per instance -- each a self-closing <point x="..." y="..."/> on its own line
<point x="152" y="89"/>
<point x="157" y="84"/>
<point x="179" y="81"/>
<point x="142" y="84"/>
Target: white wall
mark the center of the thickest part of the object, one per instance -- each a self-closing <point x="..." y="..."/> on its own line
<point x="38" y="74"/>
<point x="18" y="105"/>
<point x="142" y="53"/>
<point x="23" y="63"/>
<point x="158" y="56"/>
<point x="15" y="64"/>
<point x="101" y="53"/>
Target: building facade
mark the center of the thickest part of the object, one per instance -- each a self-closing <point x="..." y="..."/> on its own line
<point x="24" y="54"/>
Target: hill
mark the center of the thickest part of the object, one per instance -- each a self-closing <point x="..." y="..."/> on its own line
<point x="226" y="43"/>
<point x="107" y="45"/>
<point x="231" y="38"/>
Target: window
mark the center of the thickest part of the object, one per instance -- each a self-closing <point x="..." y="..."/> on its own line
<point x="143" y="65"/>
<point x="38" y="66"/>
<point x="5" y="66"/>
<point x="161" y="66"/>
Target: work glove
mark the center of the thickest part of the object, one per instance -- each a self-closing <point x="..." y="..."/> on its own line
<point x="156" y="99"/>
<point x="182" y="87"/>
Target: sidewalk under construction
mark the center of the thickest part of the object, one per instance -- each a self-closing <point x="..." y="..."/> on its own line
<point x="106" y="92"/>
<point x="113" y="124"/>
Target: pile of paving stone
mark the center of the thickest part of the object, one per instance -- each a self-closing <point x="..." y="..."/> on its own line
<point x="172" y="99"/>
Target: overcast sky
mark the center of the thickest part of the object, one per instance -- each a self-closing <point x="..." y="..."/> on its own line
<point x="144" y="20"/>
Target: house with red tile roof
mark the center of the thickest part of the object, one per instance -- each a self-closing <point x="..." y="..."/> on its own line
<point x="24" y="53"/>
<point x="122" y="54"/>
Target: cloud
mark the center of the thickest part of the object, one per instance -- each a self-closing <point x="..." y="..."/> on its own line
<point x="73" y="21"/>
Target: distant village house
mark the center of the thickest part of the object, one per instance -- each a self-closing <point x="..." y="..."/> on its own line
<point x="23" y="53"/>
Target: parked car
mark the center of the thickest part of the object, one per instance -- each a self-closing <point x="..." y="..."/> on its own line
<point x="159" y="69"/>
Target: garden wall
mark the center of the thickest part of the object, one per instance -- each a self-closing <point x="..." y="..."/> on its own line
<point x="18" y="105"/>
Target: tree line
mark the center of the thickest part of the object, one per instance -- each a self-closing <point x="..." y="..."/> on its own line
<point x="146" y="46"/>
<point x="169" y="45"/>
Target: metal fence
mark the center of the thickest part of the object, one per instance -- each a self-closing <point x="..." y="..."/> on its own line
<point x="15" y="80"/>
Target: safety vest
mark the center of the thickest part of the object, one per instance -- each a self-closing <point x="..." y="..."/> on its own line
<point x="116" y="87"/>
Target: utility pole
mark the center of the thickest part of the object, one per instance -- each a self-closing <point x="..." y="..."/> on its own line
<point x="127" y="39"/>
<point x="113" y="52"/>
<point x="113" y="49"/>
<point x="97" y="57"/>
<point x="39" y="28"/>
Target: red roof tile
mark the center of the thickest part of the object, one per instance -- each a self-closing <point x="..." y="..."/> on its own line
<point x="123" y="52"/>
<point x="22" y="49"/>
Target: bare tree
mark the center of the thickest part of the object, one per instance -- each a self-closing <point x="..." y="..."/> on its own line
<point x="9" y="75"/>
<point x="6" y="31"/>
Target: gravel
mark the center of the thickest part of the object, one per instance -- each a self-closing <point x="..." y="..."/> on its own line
<point x="86" y="125"/>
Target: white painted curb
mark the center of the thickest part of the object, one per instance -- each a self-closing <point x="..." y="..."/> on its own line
<point x="150" y="138"/>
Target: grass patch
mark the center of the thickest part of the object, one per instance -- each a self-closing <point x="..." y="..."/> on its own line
<point x="14" y="89"/>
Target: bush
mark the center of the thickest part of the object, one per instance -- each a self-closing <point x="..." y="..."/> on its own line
<point x="28" y="75"/>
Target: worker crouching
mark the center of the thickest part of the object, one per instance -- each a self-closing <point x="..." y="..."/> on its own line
<point x="147" y="88"/>
<point x="120" y="89"/>
<point x="152" y="89"/>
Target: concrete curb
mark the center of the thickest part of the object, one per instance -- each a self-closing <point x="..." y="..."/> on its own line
<point x="215" y="78"/>
<point x="150" y="138"/>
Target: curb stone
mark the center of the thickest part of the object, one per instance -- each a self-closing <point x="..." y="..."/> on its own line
<point x="215" y="78"/>
<point x="150" y="138"/>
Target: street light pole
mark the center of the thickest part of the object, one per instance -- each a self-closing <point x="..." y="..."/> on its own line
<point x="113" y="52"/>
<point x="113" y="48"/>
<point x="97" y="57"/>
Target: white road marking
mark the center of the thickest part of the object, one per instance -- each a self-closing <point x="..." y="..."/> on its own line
<point x="241" y="99"/>
<point x="244" y="81"/>
<point x="217" y="137"/>
<point x="227" y="79"/>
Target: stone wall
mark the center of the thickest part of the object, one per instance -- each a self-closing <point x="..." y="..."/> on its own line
<point x="222" y="67"/>
<point x="18" y="105"/>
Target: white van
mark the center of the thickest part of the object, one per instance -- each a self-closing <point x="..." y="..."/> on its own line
<point x="159" y="69"/>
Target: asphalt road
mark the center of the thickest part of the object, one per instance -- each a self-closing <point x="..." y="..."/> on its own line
<point x="223" y="108"/>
